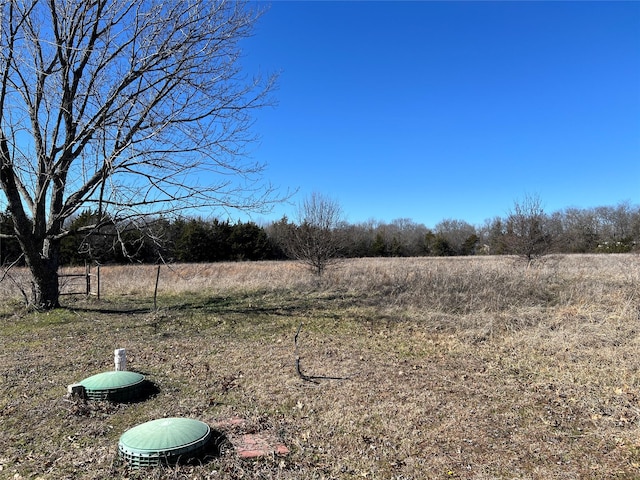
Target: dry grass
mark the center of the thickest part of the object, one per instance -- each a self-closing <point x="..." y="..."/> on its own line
<point x="470" y="368"/>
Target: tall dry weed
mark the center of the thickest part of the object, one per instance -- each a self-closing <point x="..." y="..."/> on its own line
<point x="473" y="287"/>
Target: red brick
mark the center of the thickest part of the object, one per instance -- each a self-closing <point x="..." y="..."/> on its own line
<point x="252" y="445"/>
<point x="258" y="445"/>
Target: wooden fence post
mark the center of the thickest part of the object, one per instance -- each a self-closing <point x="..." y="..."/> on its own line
<point x="155" y="291"/>
<point x="87" y="271"/>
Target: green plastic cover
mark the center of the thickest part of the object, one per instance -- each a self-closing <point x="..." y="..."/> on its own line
<point x="164" y="435"/>
<point x="112" y="380"/>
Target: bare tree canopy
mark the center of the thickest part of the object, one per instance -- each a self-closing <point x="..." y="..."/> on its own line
<point x="127" y="107"/>
<point x="526" y="229"/>
<point x="316" y="242"/>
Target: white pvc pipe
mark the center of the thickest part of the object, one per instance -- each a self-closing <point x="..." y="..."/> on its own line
<point x="120" y="358"/>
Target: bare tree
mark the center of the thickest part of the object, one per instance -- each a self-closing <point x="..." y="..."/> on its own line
<point x="526" y="234"/>
<point x="316" y="240"/>
<point x="458" y="235"/>
<point x="129" y="107"/>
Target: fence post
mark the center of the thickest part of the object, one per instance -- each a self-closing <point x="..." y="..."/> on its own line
<point x="98" y="282"/>
<point x="155" y="291"/>
<point x="87" y="271"/>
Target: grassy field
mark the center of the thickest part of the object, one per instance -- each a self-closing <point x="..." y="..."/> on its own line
<point x="467" y="368"/>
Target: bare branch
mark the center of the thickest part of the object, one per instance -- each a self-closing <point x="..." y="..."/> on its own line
<point x="136" y="106"/>
<point x="309" y="378"/>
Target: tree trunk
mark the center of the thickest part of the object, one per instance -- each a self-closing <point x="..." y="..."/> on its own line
<point x="46" y="288"/>
<point x="44" y="268"/>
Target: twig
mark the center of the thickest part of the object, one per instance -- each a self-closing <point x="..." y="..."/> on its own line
<point x="309" y="378"/>
<point x="6" y="274"/>
<point x="7" y="269"/>
<point x="298" y="370"/>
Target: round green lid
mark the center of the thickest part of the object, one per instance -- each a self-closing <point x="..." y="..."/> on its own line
<point x="164" y="435"/>
<point x="112" y="380"/>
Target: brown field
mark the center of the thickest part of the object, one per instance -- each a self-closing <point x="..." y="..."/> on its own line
<point x="466" y="368"/>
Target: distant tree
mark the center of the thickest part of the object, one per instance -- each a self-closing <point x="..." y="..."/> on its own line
<point x="388" y="241"/>
<point x="578" y="230"/>
<point x="492" y="234"/>
<point x="279" y="234"/>
<point x="441" y="247"/>
<point x="409" y="235"/>
<point x="197" y="240"/>
<point x="619" y="227"/>
<point x="315" y="241"/>
<point x="400" y="238"/>
<point x="619" y="220"/>
<point x="428" y="242"/>
<point x="248" y="241"/>
<point x="460" y="237"/>
<point x="358" y="240"/>
<point x="526" y="235"/>
<point x="469" y="245"/>
<point x="379" y="246"/>
<point x="635" y="228"/>
<point x="220" y="246"/>
<point x="195" y="243"/>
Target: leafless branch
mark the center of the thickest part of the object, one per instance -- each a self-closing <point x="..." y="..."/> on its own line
<point x="134" y="106"/>
<point x="7" y="275"/>
<point x="309" y="378"/>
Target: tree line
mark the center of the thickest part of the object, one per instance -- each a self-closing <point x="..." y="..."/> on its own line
<point x="152" y="240"/>
<point x="526" y="230"/>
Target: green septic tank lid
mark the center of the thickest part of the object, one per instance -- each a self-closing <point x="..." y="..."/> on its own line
<point x="114" y="386"/>
<point x="164" y="438"/>
<point x="112" y="380"/>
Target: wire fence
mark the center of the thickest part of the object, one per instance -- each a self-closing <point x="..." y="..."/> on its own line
<point x="87" y="283"/>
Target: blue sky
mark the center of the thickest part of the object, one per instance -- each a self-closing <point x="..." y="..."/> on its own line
<point x="450" y="110"/>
